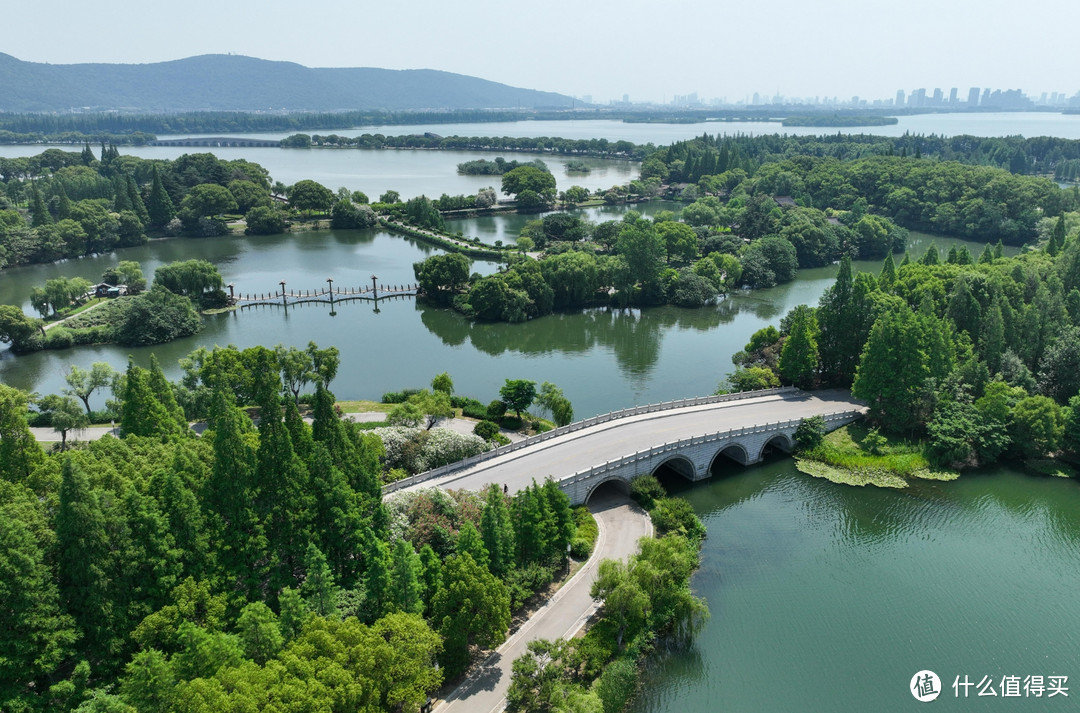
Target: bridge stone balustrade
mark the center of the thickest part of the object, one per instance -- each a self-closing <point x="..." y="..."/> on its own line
<point x="577" y="426"/>
<point x="693" y="457"/>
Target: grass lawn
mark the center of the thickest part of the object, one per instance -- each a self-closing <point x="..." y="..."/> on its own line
<point x="71" y="311"/>
<point x="364" y="407"/>
<point x="845" y="456"/>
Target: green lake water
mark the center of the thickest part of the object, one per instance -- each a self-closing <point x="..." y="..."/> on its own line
<point x="829" y="597"/>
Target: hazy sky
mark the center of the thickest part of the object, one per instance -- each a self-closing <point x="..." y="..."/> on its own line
<point x="649" y="50"/>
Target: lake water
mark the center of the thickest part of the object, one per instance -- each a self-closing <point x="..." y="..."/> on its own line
<point x="432" y="173"/>
<point x="989" y="124"/>
<point x="830" y="597"/>
<point x="409" y="172"/>
<point x="603" y="359"/>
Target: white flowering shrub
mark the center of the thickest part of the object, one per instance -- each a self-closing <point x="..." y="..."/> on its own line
<point x="417" y="450"/>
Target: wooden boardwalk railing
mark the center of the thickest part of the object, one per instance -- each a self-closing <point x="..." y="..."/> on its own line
<point x="324" y="295"/>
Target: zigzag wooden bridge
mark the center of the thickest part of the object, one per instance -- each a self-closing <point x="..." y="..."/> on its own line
<point x="329" y="295"/>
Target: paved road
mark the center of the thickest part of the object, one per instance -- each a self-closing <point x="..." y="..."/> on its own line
<point x="566" y="455"/>
<point x="622" y="524"/>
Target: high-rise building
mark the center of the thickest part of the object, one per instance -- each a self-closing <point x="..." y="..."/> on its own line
<point x="985" y="97"/>
<point x="952" y="95"/>
<point x="973" y="97"/>
<point x="939" y="97"/>
<point x="899" y="97"/>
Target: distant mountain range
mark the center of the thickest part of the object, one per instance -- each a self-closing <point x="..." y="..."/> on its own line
<point x="236" y="83"/>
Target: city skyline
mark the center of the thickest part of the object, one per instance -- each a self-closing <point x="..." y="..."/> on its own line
<point x="917" y="98"/>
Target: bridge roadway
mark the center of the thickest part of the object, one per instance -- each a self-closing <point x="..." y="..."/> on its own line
<point x="566" y="455"/>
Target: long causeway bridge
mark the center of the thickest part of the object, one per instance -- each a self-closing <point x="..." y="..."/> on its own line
<point x="219" y="142"/>
<point x="327" y="295"/>
<point x="687" y="435"/>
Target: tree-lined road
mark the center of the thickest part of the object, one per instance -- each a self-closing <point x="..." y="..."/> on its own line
<point x="622" y="524"/>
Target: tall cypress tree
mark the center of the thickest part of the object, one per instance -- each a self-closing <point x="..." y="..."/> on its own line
<point x="229" y="492"/>
<point x="19" y="450"/>
<point x="936" y="341"/>
<point x="406" y="587"/>
<point x="299" y="432"/>
<point x="338" y="522"/>
<point x="377" y="601"/>
<point x="39" y="214"/>
<point x="469" y="540"/>
<point x="121" y="199"/>
<point x="135" y="199"/>
<point x="352" y="454"/>
<point x="993" y="337"/>
<point x="799" y="355"/>
<point x="38" y="635"/>
<point x="834" y="318"/>
<point x="888" y="273"/>
<point x="165" y="395"/>
<point x="1057" y="237"/>
<point x="82" y="552"/>
<point x="319" y="588"/>
<point x="185" y="520"/>
<point x="562" y="520"/>
<point x="964" y="310"/>
<point x="283" y="500"/>
<point x="159" y="207"/>
<point x="142" y="414"/>
<point x="63" y="203"/>
<point x="892" y="370"/>
<point x="431" y="574"/>
<point x="497" y="531"/>
<point x="150" y="564"/>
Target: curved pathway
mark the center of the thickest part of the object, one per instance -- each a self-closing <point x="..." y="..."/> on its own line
<point x="621" y="524"/>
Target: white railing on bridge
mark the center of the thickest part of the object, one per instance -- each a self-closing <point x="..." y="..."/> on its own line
<point x="577" y="426"/>
<point x="680" y="445"/>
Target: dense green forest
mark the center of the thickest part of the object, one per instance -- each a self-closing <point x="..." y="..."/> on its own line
<point x="62" y="204"/>
<point x="744" y="230"/>
<point x="259" y="565"/>
<point x="978" y="355"/>
<point x="66" y="204"/>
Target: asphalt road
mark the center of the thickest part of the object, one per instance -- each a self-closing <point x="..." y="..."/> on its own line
<point x="564" y="456"/>
<point x="622" y="524"/>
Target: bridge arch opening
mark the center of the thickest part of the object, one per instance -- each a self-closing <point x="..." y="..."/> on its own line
<point x="730" y="453"/>
<point x="610" y="492"/>
<point x="779" y="442"/>
<point x="679" y="464"/>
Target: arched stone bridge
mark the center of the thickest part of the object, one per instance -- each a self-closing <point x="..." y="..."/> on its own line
<point x="687" y="436"/>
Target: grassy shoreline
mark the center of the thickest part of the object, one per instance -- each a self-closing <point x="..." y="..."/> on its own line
<point x="859" y="455"/>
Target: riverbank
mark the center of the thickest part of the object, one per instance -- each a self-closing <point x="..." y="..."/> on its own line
<point x="859" y="455"/>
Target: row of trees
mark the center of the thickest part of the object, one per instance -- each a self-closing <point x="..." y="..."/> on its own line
<point x="947" y="197"/>
<point x="982" y="356"/>
<point x="79" y="203"/>
<point x="642" y="610"/>
<point x="252" y="565"/>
